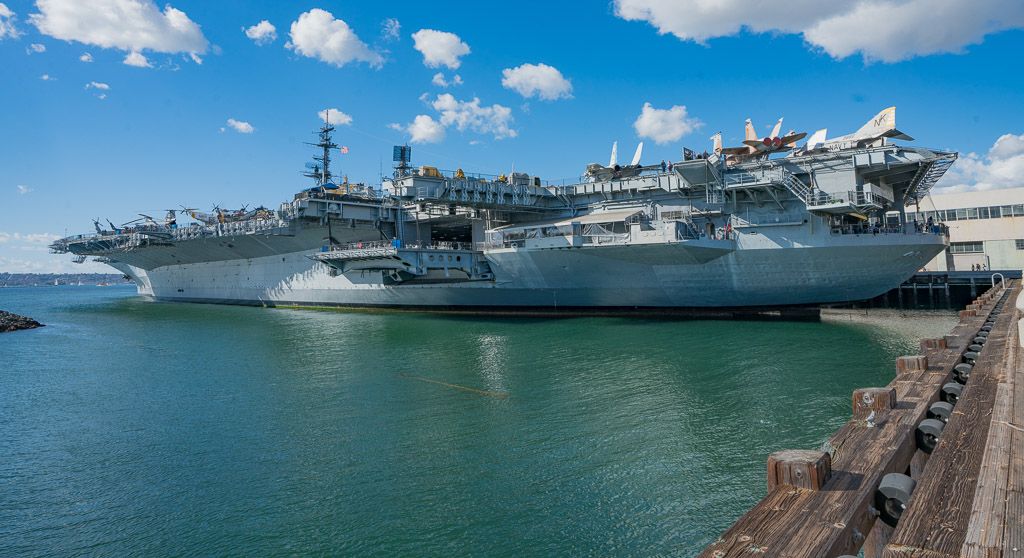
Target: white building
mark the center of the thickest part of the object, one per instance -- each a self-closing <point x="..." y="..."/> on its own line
<point x="985" y="227"/>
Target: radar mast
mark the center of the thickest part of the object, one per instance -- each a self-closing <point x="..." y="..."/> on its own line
<point x="320" y="171"/>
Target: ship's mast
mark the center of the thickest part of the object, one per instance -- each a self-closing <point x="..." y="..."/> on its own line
<point x="322" y="173"/>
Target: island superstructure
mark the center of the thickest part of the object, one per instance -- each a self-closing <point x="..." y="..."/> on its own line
<point x="711" y="231"/>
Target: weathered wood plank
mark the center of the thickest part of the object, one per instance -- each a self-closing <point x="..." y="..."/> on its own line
<point x="938" y="514"/>
<point x="986" y="525"/>
<point x="835" y="520"/>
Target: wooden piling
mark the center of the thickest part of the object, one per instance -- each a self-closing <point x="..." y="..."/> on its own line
<point x="811" y="512"/>
<point x="799" y="468"/>
<point x="936" y="344"/>
<point x="866" y="400"/>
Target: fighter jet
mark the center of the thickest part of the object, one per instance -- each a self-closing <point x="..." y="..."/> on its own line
<point x="599" y="172"/>
<point x="759" y="148"/>
<point x="873" y="133"/>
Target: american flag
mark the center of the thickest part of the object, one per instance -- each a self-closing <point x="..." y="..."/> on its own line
<point x="344" y="149"/>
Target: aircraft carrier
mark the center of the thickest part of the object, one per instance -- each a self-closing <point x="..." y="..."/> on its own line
<point x="740" y="228"/>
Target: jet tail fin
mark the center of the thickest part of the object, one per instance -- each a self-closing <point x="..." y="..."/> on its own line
<point x="636" y="156"/>
<point x="615" y="155"/>
<point x="881" y="123"/>
<point x="775" y="130"/>
<point x="717" y="145"/>
<point x="817" y="139"/>
<point x="751" y="133"/>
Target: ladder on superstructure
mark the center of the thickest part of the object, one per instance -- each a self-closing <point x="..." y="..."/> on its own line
<point x="927" y="175"/>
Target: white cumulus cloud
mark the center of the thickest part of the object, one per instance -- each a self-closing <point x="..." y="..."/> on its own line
<point x="885" y="30"/>
<point x="494" y="119"/>
<point x="262" y="33"/>
<point x="664" y="125"/>
<point x="1001" y="167"/>
<point x="97" y="85"/>
<point x="128" y="25"/>
<point x="317" y="34"/>
<point x="22" y="189"/>
<point x="441" y="82"/>
<point x="7" y="27"/>
<point x="423" y="129"/>
<point x="336" y="116"/>
<point x="240" y="127"/>
<point x="85" y="57"/>
<point x="440" y="48"/>
<point x="538" y="80"/>
<point x="35" y="47"/>
<point x="47" y="77"/>
<point x="137" y="59"/>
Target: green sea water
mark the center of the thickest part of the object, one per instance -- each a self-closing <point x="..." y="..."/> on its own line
<point x="134" y="427"/>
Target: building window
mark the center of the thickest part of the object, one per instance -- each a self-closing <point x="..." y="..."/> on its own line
<point x="1020" y="244"/>
<point x="966" y="247"/>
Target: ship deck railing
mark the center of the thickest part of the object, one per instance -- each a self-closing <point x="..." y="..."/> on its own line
<point x="920" y="228"/>
<point x="391" y="244"/>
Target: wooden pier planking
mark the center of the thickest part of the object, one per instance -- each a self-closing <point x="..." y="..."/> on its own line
<point x="834" y="520"/>
<point x="937" y="516"/>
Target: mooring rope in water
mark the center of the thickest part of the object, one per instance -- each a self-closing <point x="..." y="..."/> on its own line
<point x="455" y="386"/>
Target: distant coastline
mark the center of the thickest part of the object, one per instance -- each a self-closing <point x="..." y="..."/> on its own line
<point x="59" y="279"/>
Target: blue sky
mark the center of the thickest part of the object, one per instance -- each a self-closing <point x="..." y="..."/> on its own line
<point x="177" y="104"/>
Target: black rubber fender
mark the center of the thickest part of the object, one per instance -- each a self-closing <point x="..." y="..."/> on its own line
<point x="983" y="333"/>
<point x="974" y="347"/>
<point x="928" y="433"/>
<point x="892" y="497"/>
<point x="951" y="392"/>
<point x="970" y="357"/>
<point x="986" y="327"/>
<point x="962" y="372"/>
<point x="940" y="410"/>
<point x="981" y="340"/>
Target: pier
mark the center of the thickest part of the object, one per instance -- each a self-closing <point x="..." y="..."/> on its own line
<point x="929" y="466"/>
<point x="938" y="289"/>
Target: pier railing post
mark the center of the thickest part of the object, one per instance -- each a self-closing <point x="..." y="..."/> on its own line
<point x="807" y="469"/>
<point x="911" y="363"/>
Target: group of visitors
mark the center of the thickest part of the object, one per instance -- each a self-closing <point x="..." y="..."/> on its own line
<point x="979" y="267"/>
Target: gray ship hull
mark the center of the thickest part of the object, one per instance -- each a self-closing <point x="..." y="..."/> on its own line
<point x="703" y="274"/>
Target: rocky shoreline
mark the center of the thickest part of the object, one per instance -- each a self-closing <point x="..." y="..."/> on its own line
<point x="14" y="322"/>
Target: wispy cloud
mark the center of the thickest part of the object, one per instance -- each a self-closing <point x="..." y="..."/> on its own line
<point x="85" y="57"/>
<point x="22" y="189"/>
<point x="391" y="30"/>
<point x="7" y="27"/>
<point x="240" y="127"/>
<point x="35" y="47"/>
<point x="441" y="82"/>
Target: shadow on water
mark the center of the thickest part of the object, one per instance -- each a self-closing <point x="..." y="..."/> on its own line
<point x="168" y="429"/>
